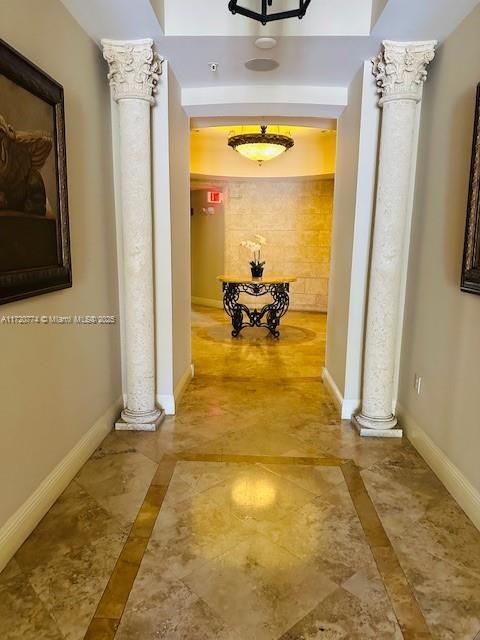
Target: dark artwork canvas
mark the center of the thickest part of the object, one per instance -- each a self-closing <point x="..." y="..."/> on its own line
<point x="470" y="282"/>
<point x="34" y="236"/>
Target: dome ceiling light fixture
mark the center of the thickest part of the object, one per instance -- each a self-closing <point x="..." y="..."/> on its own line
<point x="261" y="146"/>
<point x="264" y="16"/>
<point x="265" y="43"/>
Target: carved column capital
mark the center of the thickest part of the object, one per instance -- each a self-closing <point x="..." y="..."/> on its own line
<point x="401" y="69"/>
<point x="134" y="68"/>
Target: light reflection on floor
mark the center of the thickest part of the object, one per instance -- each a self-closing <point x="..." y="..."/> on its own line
<point x="253" y="494"/>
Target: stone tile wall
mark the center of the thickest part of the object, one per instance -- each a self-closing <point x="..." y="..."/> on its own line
<point x="295" y="216"/>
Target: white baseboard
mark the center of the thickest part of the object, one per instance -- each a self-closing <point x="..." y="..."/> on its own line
<point x="183" y="383"/>
<point x="21" y="524"/>
<point x="346" y="407"/>
<point x="169" y="401"/>
<point x="450" y="475"/>
<point x="349" y="407"/>
<point x="332" y="387"/>
<point x="207" y="302"/>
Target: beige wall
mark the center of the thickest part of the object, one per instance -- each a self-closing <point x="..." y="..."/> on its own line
<point x="441" y="340"/>
<point x="295" y="217"/>
<point x="348" y="142"/>
<point x="56" y="381"/>
<point x="312" y="155"/>
<point x="208" y="247"/>
<point x="179" y="159"/>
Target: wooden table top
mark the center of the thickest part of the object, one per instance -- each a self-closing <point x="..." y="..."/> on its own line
<point x="263" y="280"/>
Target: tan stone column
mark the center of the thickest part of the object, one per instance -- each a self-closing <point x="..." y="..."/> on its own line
<point x="134" y="70"/>
<point x="400" y="71"/>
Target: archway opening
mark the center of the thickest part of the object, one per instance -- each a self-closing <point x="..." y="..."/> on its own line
<point x="286" y="206"/>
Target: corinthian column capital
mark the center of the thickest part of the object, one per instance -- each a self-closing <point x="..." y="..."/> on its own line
<point x="401" y="69"/>
<point x="134" y="68"/>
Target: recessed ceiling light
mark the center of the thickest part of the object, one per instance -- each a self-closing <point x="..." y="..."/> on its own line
<point x="261" y="64"/>
<point x="265" y="43"/>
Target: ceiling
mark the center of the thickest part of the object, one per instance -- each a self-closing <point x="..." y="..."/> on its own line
<point x="318" y="56"/>
<point x="326" y="48"/>
<point x="313" y="153"/>
<point x="330" y="61"/>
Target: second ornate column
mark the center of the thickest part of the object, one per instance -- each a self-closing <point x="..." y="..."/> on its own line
<point x="134" y="72"/>
<point x="400" y="71"/>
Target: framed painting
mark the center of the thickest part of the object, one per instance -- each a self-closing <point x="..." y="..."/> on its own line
<point x="471" y="253"/>
<point x="34" y="233"/>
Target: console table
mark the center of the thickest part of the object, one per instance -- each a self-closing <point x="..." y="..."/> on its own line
<point x="269" y="315"/>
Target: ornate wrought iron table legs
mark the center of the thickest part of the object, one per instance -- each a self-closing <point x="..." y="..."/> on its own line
<point x="268" y="316"/>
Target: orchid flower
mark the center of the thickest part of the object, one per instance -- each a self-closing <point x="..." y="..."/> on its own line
<point x="255" y="246"/>
<point x="260" y="239"/>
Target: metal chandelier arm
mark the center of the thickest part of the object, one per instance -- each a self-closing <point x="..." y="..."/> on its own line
<point x="264" y="16"/>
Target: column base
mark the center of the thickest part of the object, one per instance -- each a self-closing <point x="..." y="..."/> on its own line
<point x="377" y="428"/>
<point x="128" y="421"/>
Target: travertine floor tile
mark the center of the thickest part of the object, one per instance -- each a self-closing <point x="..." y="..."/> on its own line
<point x="161" y="609"/>
<point x="325" y="532"/>
<point x="118" y="481"/>
<point x="448" y="595"/>
<point x="80" y="573"/>
<point x="191" y="532"/>
<point x="317" y="481"/>
<point x="12" y="570"/>
<point x="343" y="616"/>
<point x="446" y="532"/>
<point x="74" y="521"/>
<point x="258" y="441"/>
<point x="201" y="476"/>
<point x="22" y="615"/>
<point x="258" y="588"/>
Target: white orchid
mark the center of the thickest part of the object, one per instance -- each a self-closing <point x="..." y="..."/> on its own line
<point x="260" y="239"/>
<point x="251" y="245"/>
<point x="255" y="246"/>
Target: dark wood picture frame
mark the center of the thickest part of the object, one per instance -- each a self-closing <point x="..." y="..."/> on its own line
<point x="470" y="281"/>
<point x="23" y="283"/>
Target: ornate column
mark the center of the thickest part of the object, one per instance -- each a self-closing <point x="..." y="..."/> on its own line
<point x="134" y="70"/>
<point x="400" y="72"/>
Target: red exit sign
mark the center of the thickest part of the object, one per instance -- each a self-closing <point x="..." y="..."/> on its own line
<point x="214" y="197"/>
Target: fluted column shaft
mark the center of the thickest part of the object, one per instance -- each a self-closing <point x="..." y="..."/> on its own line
<point x="134" y="72"/>
<point x="400" y="72"/>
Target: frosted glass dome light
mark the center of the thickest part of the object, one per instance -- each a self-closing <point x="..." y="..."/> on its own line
<point x="262" y="146"/>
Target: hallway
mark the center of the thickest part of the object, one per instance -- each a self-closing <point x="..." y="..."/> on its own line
<point x="268" y="525"/>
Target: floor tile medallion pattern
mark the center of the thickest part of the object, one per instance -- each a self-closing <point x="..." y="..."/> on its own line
<point x="254" y="513"/>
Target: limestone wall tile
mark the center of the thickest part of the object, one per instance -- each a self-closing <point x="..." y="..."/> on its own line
<point x="296" y="219"/>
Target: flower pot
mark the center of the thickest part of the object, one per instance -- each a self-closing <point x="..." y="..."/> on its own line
<point x="257" y="270"/>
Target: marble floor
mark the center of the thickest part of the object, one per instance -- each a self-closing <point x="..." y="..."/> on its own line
<point x="252" y="514"/>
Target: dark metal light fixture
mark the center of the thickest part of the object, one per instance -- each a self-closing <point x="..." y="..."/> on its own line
<point x="261" y="146"/>
<point x="264" y="16"/>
